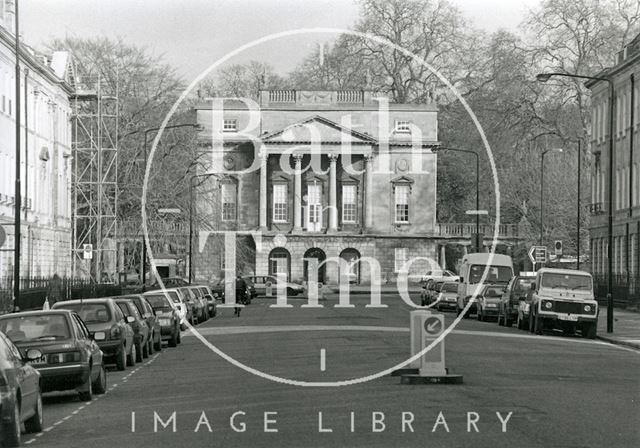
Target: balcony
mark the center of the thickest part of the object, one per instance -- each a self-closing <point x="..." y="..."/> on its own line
<point x="314" y="97"/>
<point x="466" y="229"/>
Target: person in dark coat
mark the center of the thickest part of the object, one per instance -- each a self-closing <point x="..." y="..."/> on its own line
<point x="241" y="291"/>
<point x="54" y="291"/>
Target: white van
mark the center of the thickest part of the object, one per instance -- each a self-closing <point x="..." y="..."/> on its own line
<point x="471" y="270"/>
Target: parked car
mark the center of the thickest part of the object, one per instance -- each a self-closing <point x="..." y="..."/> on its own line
<point x="217" y="290"/>
<point x="141" y="331"/>
<point x="168" y="316"/>
<point x="429" y="292"/>
<point x="212" y="307"/>
<point x="563" y="299"/>
<point x="264" y="282"/>
<point x="472" y="270"/>
<point x="108" y="327"/>
<point x="489" y="302"/>
<point x="193" y="306"/>
<point x="71" y="359"/>
<point x="446" y="299"/>
<point x="516" y="292"/>
<point x="440" y="275"/>
<point x="18" y="379"/>
<point x="204" y="306"/>
<point x="251" y="287"/>
<point x="145" y="309"/>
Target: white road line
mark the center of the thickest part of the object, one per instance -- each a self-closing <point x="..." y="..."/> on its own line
<point x="323" y="364"/>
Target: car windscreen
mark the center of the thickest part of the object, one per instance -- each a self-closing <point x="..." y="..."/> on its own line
<point x="566" y="281"/>
<point x="450" y="287"/>
<point x="493" y="292"/>
<point x="51" y="327"/>
<point x="158" y="302"/>
<point x="500" y="274"/>
<point x="90" y="313"/>
<point x="523" y="285"/>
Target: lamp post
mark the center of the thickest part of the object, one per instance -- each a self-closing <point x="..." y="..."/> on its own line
<point x="146" y="135"/>
<point x="195" y="176"/>
<point x="17" y="236"/>
<point x="544" y="77"/>
<point x="542" y="189"/>
<point x="467" y="151"/>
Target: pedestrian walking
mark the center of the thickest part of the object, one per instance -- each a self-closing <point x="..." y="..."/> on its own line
<point x="241" y="291"/>
<point x="54" y="291"/>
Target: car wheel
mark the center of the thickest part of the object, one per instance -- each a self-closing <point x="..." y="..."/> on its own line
<point x="87" y="393"/>
<point x="589" y="331"/>
<point x="531" y="319"/>
<point x="158" y="344"/>
<point x="139" y="352"/>
<point x="150" y="345"/>
<point x="35" y="423"/>
<point x="11" y="433"/>
<point x="174" y="340"/>
<point x="457" y="310"/>
<point x="500" y="320"/>
<point x="478" y="315"/>
<point x="100" y="384"/>
<point x="179" y="338"/>
<point x="121" y="358"/>
<point x="539" y="325"/>
<point x="131" y="357"/>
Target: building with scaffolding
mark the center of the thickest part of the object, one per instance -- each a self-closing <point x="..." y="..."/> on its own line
<point x="46" y="85"/>
<point x="95" y="178"/>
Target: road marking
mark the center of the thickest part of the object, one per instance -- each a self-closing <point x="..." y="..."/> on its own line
<point x="323" y="365"/>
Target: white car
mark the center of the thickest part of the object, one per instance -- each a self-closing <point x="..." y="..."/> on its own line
<point x="440" y="276"/>
<point x="177" y="301"/>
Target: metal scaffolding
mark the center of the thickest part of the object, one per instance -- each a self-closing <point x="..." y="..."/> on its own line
<point x="95" y="178"/>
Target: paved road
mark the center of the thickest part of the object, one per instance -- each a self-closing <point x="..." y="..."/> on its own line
<point x="562" y="392"/>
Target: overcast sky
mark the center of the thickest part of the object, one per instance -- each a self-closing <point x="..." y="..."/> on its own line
<point x="192" y="34"/>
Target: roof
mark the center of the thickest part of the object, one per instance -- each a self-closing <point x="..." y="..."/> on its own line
<point x="563" y="271"/>
<point x="483" y="257"/>
<point x="36" y="312"/>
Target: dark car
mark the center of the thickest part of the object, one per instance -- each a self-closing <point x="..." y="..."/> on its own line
<point x="430" y="291"/>
<point x="203" y="309"/>
<point x="212" y="307"/>
<point x="18" y="379"/>
<point x="251" y="287"/>
<point x="194" y="307"/>
<point x="147" y="313"/>
<point x="517" y="290"/>
<point x="71" y="359"/>
<point x="447" y="298"/>
<point x="167" y="314"/>
<point x="488" y="301"/>
<point x="107" y="326"/>
<point x="141" y="331"/>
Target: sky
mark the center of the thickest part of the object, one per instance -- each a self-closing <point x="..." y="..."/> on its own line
<point x="193" y="34"/>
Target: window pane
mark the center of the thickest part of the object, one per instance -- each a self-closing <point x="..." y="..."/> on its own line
<point x="402" y="203"/>
<point x="228" y="202"/>
<point x="280" y="203"/>
<point x="348" y="203"/>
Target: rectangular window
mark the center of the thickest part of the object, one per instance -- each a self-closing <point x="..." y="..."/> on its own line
<point x="349" y="203"/>
<point x="402" y="203"/>
<point x="228" y="202"/>
<point x="280" y="203"/>
<point x="230" y="125"/>
<point x="402" y="127"/>
<point x="400" y="258"/>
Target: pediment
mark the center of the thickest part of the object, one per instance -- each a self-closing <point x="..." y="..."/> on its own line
<point x="318" y="129"/>
<point x="402" y="180"/>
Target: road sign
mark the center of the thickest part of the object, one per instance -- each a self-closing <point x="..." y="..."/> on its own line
<point x="558" y="248"/>
<point x="87" y="251"/>
<point x="538" y="254"/>
<point x="432" y="362"/>
<point x="433" y="325"/>
<point x="3" y="236"/>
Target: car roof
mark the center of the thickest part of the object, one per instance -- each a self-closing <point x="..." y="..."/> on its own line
<point x="83" y="301"/>
<point x="38" y="312"/>
<point x="483" y="258"/>
<point x="563" y="271"/>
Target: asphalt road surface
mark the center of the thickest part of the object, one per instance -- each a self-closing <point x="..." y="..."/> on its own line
<point x="519" y="390"/>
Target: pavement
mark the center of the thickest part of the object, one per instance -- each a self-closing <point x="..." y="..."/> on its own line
<point x="233" y="384"/>
<point x="626" y="327"/>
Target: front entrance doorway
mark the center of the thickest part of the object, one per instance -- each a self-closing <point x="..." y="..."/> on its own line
<point x="319" y="255"/>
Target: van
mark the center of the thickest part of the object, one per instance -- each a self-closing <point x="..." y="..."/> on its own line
<point x="471" y="270"/>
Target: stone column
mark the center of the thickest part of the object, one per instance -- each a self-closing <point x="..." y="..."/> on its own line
<point x="368" y="189"/>
<point x="297" y="197"/>
<point x="263" y="191"/>
<point x="443" y="256"/>
<point x="333" y="202"/>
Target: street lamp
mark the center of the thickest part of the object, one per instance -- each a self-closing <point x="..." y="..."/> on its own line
<point x="542" y="188"/>
<point x="445" y="149"/>
<point x="146" y="134"/>
<point x="195" y="176"/>
<point x="544" y="77"/>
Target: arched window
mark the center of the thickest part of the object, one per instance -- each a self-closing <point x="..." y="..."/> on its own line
<point x="280" y="262"/>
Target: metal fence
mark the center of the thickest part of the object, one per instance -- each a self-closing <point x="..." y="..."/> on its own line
<point x="625" y="292"/>
<point x="33" y="291"/>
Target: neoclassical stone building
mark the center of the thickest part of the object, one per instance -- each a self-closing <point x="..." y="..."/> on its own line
<point x="46" y="83"/>
<point x="318" y="174"/>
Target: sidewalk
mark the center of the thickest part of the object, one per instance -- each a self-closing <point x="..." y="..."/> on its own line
<point x="626" y="327"/>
